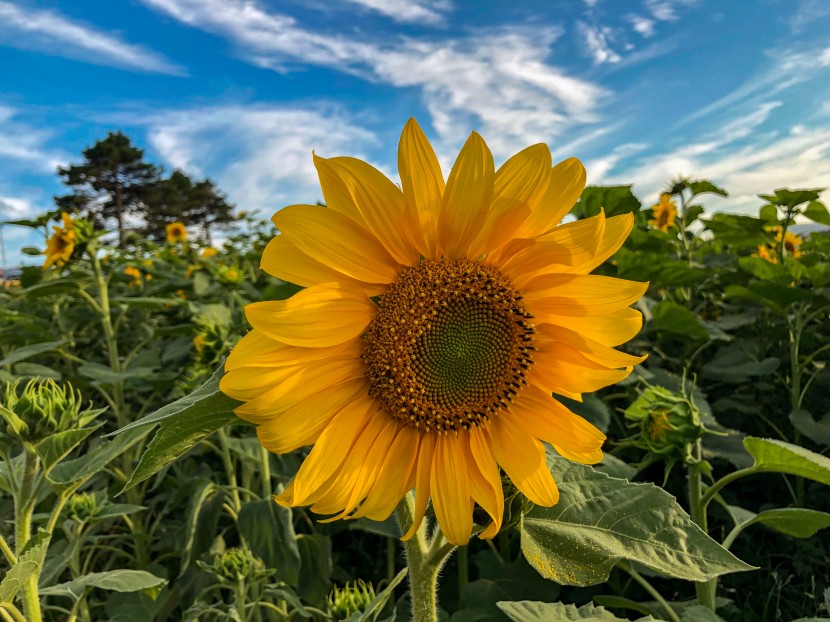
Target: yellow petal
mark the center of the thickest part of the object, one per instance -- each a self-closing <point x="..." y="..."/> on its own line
<point x="337" y="241"/>
<point x="485" y="478"/>
<point x="305" y="382"/>
<point x="592" y="350"/>
<point x="330" y="450"/>
<point x="451" y="491"/>
<point x="423" y="470"/>
<point x="567" y="181"/>
<point x="422" y="182"/>
<point x="246" y="384"/>
<point x="393" y="481"/>
<point x="282" y="259"/>
<point x="381" y="205"/>
<point x="609" y="329"/>
<point x="559" y="368"/>
<point x="519" y="185"/>
<point x="467" y="197"/>
<point x="616" y="231"/>
<point x="569" y="244"/>
<point x="577" y="295"/>
<point x="321" y="315"/>
<point x="257" y="350"/>
<point x="547" y="419"/>
<point x="523" y="459"/>
<point x="303" y="423"/>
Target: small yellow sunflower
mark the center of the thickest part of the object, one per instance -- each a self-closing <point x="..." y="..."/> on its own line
<point x="133" y="272"/>
<point x="664" y="213"/>
<point x="61" y="244"/>
<point x="199" y="342"/>
<point x="209" y="252"/>
<point x="791" y="242"/>
<point x="176" y="232"/>
<point x="437" y="320"/>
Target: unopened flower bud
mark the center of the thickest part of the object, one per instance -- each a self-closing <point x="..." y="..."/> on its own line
<point x="235" y="564"/>
<point x="351" y="598"/>
<point x="41" y="409"/>
<point x="667" y="424"/>
<point x="81" y="507"/>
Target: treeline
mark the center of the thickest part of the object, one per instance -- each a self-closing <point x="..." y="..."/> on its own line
<point x="116" y="188"/>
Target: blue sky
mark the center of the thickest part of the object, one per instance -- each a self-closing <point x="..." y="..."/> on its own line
<point x="737" y="91"/>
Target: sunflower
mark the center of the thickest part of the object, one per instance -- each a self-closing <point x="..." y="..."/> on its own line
<point x="135" y="273"/>
<point x="664" y="213"/>
<point x="60" y="245"/>
<point x="176" y="232"/>
<point x="790" y="240"/>
<point x="437" y="320"/>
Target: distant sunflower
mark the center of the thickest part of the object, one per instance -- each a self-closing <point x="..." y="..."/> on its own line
<point x="664" y="213"/>
<point x="791" y="242"/>
<point x="435" y="323"/>
<point x="176" y="232"/>
<point x="61" y="244"/>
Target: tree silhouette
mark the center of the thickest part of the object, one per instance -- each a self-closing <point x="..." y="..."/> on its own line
<point x="112" y="182"/>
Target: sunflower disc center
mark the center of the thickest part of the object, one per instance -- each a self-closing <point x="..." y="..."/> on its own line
<point x="450" y="345"/>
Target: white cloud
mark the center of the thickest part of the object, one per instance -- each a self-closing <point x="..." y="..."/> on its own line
<point x="808" y="13"/>
<point x="641" y="25"/>
<point x="23" y="145"/>
<point x="15" y="207"/>
<point x="666" y="10"/>
<point x="500" y="82"/>
<point x="597" y="39"/>
<point x="53" y="34"/>
<point x="417" y="11"/>
<point x="270" y="149"/>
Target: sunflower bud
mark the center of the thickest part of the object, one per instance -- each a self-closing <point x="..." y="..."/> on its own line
<point x="81" y="507"/>
<point x="235" y="564"/>
<point x="667" y="424"/>
<point x="42" y="409"/>
<point x="351" y="598"/>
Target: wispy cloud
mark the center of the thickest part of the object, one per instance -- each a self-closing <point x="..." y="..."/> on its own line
<point x="597" y="40"/>
<point x="642" y="25"/>
<point x="666" y="10"/>
<point x="51" y="33"/>
<point x="271" y="146"/>
<point x="24" y="146"/>
<point x="431" y="12"/>
<point x="499" y="81"/>
<point x="808" y="13"/>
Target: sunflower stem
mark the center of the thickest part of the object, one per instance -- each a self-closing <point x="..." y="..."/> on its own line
<point x="423" y="563"/>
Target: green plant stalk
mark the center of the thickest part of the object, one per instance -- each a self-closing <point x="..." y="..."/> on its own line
<point x="230" y="472"/>
<point x="648" y="587"/>
<point x="24" y="506"/>
<point x="705" y="590"/>
<point x="11" y="613"/>
<point x="239" y="599"/>
<point x="463" y="574"/>
<point x="424" y="557"/>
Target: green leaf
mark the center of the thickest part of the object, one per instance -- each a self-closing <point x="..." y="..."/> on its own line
<point x="703" y="186"/>
<point x="614" y="199"/>
<point x="148" y="302"/>
<point x="600" y="520"/>
<point x="33" y="370"/>
<point x="769" y="214"/>
<point x="31" y="350"/>
<point x="699" y="613"/>
<point x="73" y="471"/>
<point x="673" y="318"/>
<point x="817" y="212"/>
<point x="113" y="580"/>
<point x="55" y="448"/>
<point x="207" y="398"/>
<point x="314" y="582"/>
<point x="201" y="283"/>
<point x="765" y="270"/>
<point x="816" y="431"/>
<point x="781" y="457"/>
<point x="29" y="563"/>
<point x="371" y="613"/>
<point x="269" y="531"/>
<point x="535" y="611"/>
<point x="796" y="522"/>
<point x="104" y="375"/>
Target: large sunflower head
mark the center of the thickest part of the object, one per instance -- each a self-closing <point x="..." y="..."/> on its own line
<point x="437" y="321"/>
<point x="61" y="243"/>
<point x="664" y="212"/>
<point x="176" y="232"/>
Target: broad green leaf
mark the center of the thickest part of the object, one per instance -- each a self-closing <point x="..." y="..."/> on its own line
<point x="781" y="457"/>
<point x="699" y="613"/>
<point x="816" y="431"/>
<point x="314" y="582"/>
<point x="177" y="434"/>
<point x="34" y="349"/>
<point x="796" y="522"/>
<point x="769" y="214"/>
<point x="614" y="200"/>
<point x="148" y="302"/>
<point x="269" y="531"/>
<point x="104" y="375"/>
<point x="600" y="520"/>
<point x="114" y="580"/>
<point x="766" y="270"/>
<point x="671" y="317"/>
<point x="113" y="510"/>
<point x="535" y="611"/>
<point x="55" y="448"/>
<point x="791" y="198"/>
<point x="26" y="369"/>
<point x="29" y="563"/>
<point x="703" y="186"/>
<point x="201" y="283"/>
<point x="73" y="471"/>
<point x="196" y="498"/>
<point x="817" y="212"/>
<point x="371" y="613"/>
<point x="207" y="398"/>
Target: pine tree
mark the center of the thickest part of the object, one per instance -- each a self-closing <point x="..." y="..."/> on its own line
<point x="112" y="182"/>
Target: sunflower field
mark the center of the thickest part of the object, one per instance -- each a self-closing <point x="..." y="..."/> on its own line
<point x="477" y="396"/>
